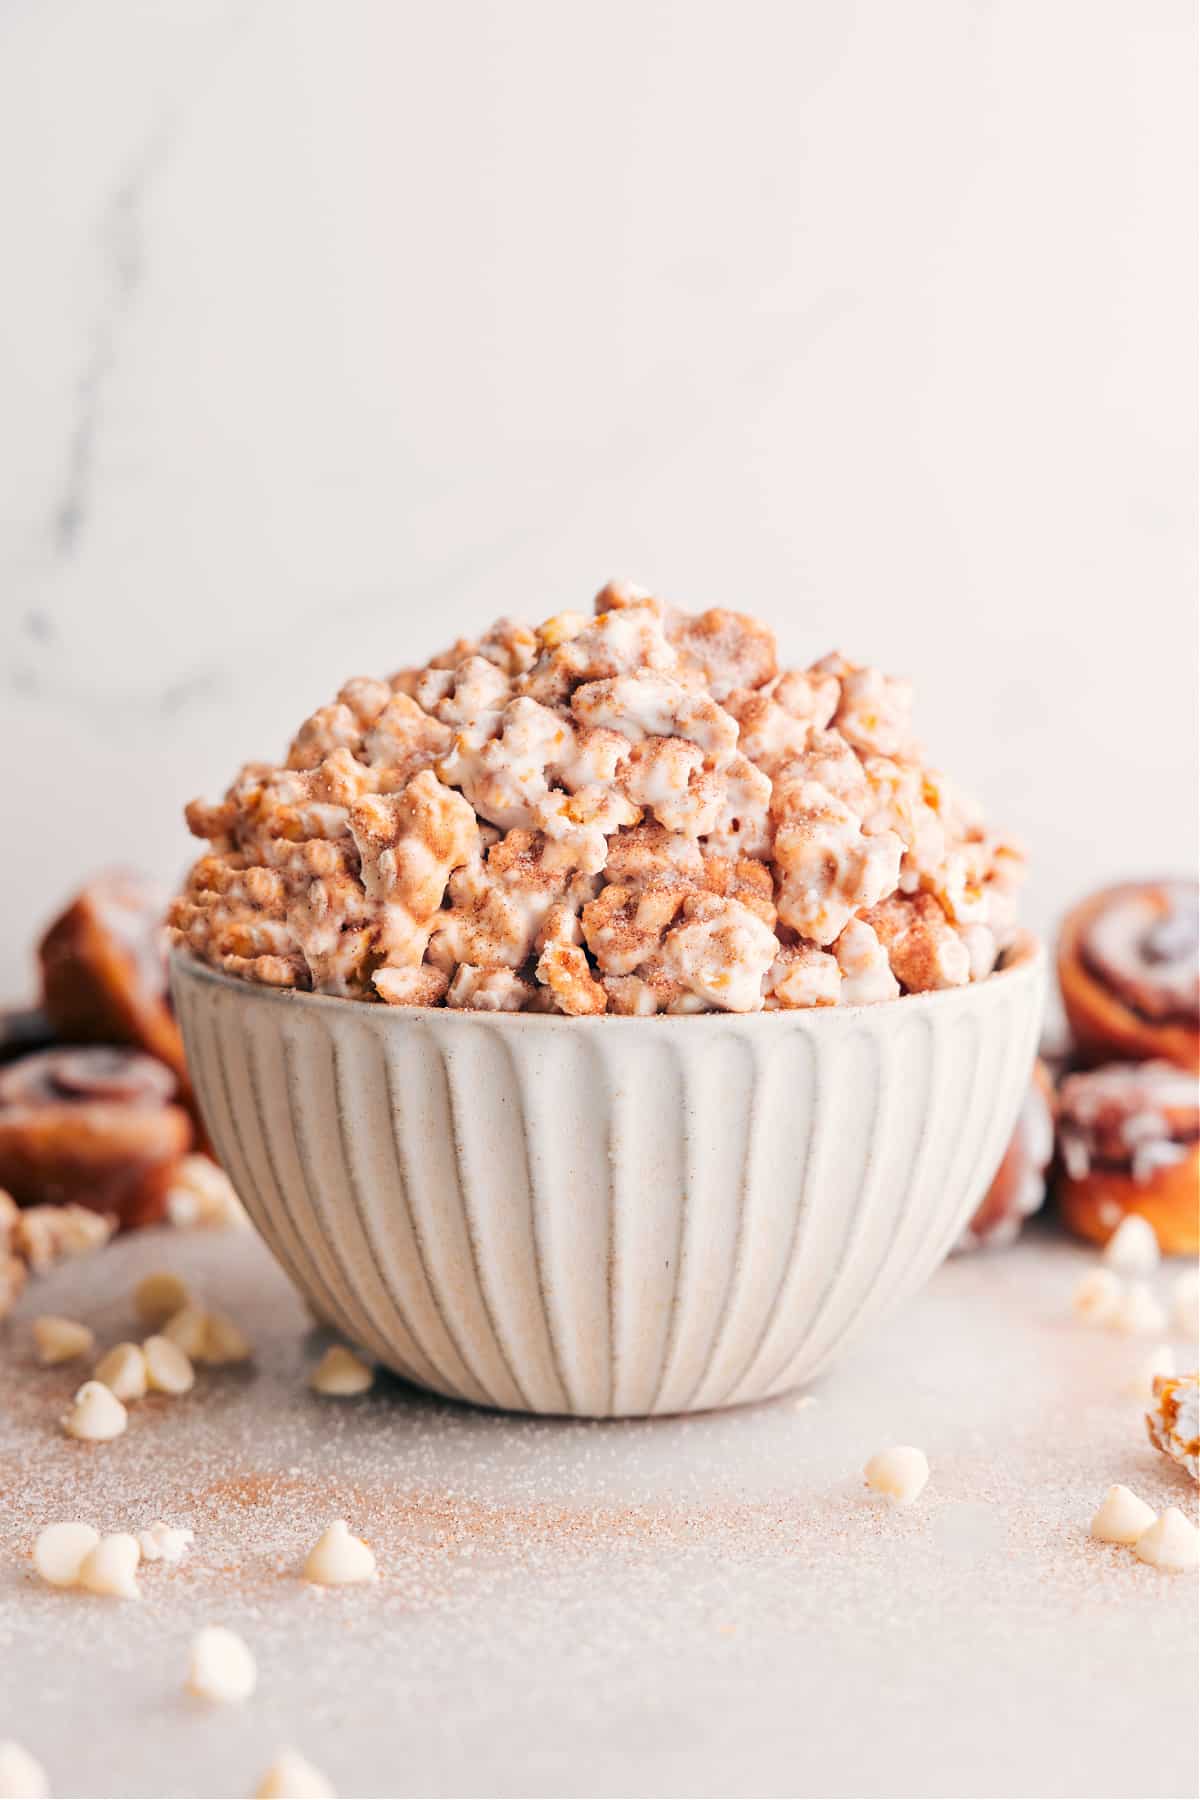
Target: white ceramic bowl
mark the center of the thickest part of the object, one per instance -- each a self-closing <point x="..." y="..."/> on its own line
<point x="608" y="1216"/>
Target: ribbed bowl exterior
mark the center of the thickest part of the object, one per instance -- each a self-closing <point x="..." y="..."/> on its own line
<point x="608" y="1217"/>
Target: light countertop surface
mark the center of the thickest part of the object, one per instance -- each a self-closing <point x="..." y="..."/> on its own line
<point x="713" y="1605"/>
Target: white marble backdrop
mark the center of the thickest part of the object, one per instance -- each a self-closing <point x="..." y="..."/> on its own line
<point x="329" y="328"/>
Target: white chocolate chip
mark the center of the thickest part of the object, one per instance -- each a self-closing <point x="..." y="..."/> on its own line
<point x="123" y="1371"/>
<point x="188" y="1328"/>
<point x="96" y="1415"/>
<point x="1133" y="1247"/>
<point x="60" y="1340"/>
<point x="1096" y="1297"/>
<point x="1122" y="1517"/>
<point x="290" y="1777"/>
<point x="201" y="1194"/>
<point x="899" y="1472"/>
<point x="1140" y="1381"/>
<point x="157" y="1297"/>
<point x="168" y="1370"/>
<point x="110" y="1567"/>
<point x="59" y="1551"/>
<point x="1172" y="1542"/>
<point x="222" y="1667"/>
<point x="1137" y="1312"/>
<point x="1185" y="1303"/>
<point x="337" y="1559"/>
<point x="340" y="1372"/>
<point x="224" y="1341"/>
<point x="22" y="1777"/>
<point x="164" y="1543"/>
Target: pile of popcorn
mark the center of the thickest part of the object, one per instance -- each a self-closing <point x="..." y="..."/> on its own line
<point x="633" y="812"/>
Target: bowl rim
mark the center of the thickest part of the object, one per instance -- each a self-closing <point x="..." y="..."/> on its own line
<point x="1026" y="960"/>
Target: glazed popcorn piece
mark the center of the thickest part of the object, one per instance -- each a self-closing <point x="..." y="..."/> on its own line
<point x="221" y="1668"/>
<point x="110" y="1567"/>
<point x="22" y="1777"/>
<point x="291" y="1777"/>
<point x="95" y="1415"/>
<point x="164" y="1543"/>
<point x="339" y="1560"/>
<point x="1122" y="1517"/>
<point x="900" y="1473"/>
<point x="922" y="946"/>
<point x="60" y="1340"/>
<point x="341" y="1373"/>
<point x="802" y="975"/>
<point x="1171" y="1543"/>
<point x="531" y="821"/>
<point x="720" y="952"/>
<point x="123" y="1371"/>
<point x="1173" y="1421"/>
<point x="59" y="1551"/>
<point x="828" y="867"/>
<point x="863" y="962"/>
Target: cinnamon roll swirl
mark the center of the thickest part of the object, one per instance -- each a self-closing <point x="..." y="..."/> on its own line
<point x="1129" y="967"/>
<point x="97" y="1127"/>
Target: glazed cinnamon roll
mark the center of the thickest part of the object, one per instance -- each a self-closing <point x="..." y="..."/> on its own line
<point x="1129" y="967"/>
<point x="1019" y="1187"/>
<point x="97" y="1127"/>
<point x="104" y="972"/>
<point x="1129" y="1142"/>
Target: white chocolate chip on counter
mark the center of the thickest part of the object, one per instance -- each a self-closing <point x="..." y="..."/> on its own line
<point x="899" y="1472"/>
<point x="123" y="1371"/>
<point x="1172" y="1542"/>
<point x="22" y="1777"/>
<point x="168" y="1369"/>
<point x="1185" y="1303"/>
<point x="157" y="1297"/>
<point x="110" y="1567"/>
<point x="224" y="1341"/>
<point x="1140" y="1381"/>
<point x="60" y="1340"/>
<point x="337" y="1559"/>
<point x="1133" y="1247"/>
<point x="201" y="1195"/>
<point x="222" y="1667"/>
<point x="188" y="1329"/>
<point x="1137" y="1313"/>
<point x="1096" y="1297"/>
<point x="340" y="1372"/>
<point x="59" y="1550"/>
<point x="292" y="1777"/>
<point x="1122" y="1517"/>
<point x="96" y="1415"/>
<point x="164" y="1543"/>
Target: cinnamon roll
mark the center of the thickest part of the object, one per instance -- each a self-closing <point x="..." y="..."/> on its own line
<point x="1018" y="1189"/>
<point x="1129" y="1142"/>
<point x="1129" y="967"/>
<point x="96" y="1127"/>
<point x="104" y="972"/>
